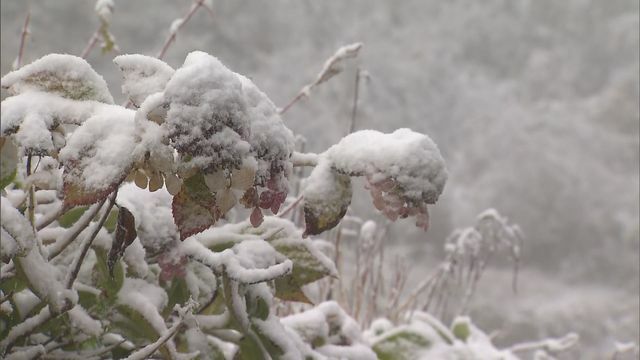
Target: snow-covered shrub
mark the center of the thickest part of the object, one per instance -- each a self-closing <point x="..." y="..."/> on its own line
<point x="117" y="237"/>
<point x="156" y="229"/>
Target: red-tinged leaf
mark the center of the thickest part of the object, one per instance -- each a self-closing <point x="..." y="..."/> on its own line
<point x="76" y="195"/>
<point x="266" y="199"/>
<point x="194" y="207"/>
<point x="250" y="198"/>
<point x="256" y="217"/>
<point x="125" y="235"/>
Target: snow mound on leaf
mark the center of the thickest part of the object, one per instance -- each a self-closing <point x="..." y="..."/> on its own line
<point x="143" y="75"/>
<point x="33" y="115"/>
<point x="66" y="75"/>
<point x="208" y="119"/>
<point x="217" y="118"/>
<point x="411" y="159"/>
<point x="101" y="151"/>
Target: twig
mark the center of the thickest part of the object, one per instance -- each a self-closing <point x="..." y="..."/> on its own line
<point x="23" y="39"/>
<point x="91" y="44"/>
<point x="77" y="261"/>
<point x="148" y="350"/>
<point x="304" y="159"/>
<point x="75" y="230"/>
<point x="172" y="36"/>
<point x="292" y="206"/>
<point x="24" y="328"/>
<point x="330" y="68"/>
<point x="354" y="109"/>
<point x="49" y="217"/>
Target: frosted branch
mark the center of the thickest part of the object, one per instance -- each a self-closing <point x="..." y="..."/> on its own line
<point x="23" y="40"/>
<point x="304" y="159"/>
<point x="331" y="67"/>
<point x="177" y="25"/>
<point x="77" y="261"/>
<point x="549" y="345"/>
<point x="150" y="349"/>
<point x="25" y="328"/>
<point x="75" y="230"/>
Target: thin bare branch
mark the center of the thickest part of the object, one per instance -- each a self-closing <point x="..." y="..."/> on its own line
<point x="23" y="39"/>
<point x="180" y="23"/>
<point x="331" y="67"/>
<point x="77" y="261"/>
<point x="91" y="44"/>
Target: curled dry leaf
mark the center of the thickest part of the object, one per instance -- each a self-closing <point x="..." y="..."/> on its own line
<point x="327" y="195"/>
<point x="124" y="236"/>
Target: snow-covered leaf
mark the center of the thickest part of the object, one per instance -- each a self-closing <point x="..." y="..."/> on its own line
<point x="8" y="161"/>
<point x="64" y="75"/>
<point x="194" y="207"/>
<point x="124" y="236"/>
<point x="35" y="119"/>
<point x="143" y="76"/>
<point x="402" y="343"/>
<point x="461" y="328"/>
<point x="327" y="195"/>
<point x="404" y="170"/>
<point x="99" y="155"/>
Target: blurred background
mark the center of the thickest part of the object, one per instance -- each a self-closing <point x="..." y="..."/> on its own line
<point x="534" y="105"/>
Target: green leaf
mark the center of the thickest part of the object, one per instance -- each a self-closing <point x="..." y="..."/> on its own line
<point x="402" y="343"/>
<point x="194" y="207"/>
<point x="108" y="283"/>
<point x="112" y="220"/>
<point x="307" y="268"/>
<point x="135" y="327"/>
<point x="178" y="293"/>
<point x="70" y="217"/>
<point x="65" y="75"/>
<point x="8" y="161"/>
<point x="327" y="196"/>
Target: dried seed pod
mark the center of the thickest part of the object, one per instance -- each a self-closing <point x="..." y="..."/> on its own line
<point x="173" y="183"/>
<point x="140" y="179"/>
<point x="155" y="181"/>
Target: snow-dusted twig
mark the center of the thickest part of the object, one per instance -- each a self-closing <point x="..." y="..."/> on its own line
<point x="91" y="44"/>
<point x="177" y="25"/>
<point x="291" y="206"/>
<point x="23" y="40"/>
<point x="304" y="159"/>
<point x="330" y="68"/>
<point x="150" y="349"/>
<point x="77" y="261"/>
<point x="552" y="346"/>
<point x="75" y="230"/>
<point x="24" y="328"/>
<point x="354" y="109"/>
<point x="50" y="217"/>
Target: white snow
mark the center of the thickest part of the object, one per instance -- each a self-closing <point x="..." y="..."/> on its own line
<point x="33" y="115"/>
<point x="81" y="320"/>
<point x="102" y="149"/>
<point x="410" y="158"/>
<point x="143" y="76"/>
